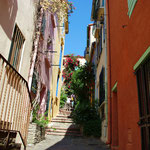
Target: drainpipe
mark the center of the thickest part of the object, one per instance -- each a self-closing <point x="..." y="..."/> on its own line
<point x="35" y="48"/>
<point x="106" y="88"/>
<point x="109" y="74"/>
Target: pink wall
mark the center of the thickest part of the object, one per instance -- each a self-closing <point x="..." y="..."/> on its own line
<point x="46" y="59"/>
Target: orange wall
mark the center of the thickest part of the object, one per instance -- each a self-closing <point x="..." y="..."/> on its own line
<point x="129" y="39"/>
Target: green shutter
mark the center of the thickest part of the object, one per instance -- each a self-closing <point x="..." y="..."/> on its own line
<point x="131" y="5"/>
<point x="114" y="89"/>
<point x="142" y="59"/>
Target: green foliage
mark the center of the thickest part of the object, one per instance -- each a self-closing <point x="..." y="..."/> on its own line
<point x="83" y="82"/>
<point x="92" y="127"/>
<point x="34" y="83"/>
<point x="63" y="98"/>
<point x="87" y="116"/>
<point x="40" y="120"/>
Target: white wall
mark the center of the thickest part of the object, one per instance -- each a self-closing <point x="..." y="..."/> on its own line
<point x="22" y="13"/>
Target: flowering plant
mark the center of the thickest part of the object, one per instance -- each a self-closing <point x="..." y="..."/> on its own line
<point x="71" y="63"/>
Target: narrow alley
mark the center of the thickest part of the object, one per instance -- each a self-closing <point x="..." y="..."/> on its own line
<point x="63" y="134"/>
<point x="74" y="74"/>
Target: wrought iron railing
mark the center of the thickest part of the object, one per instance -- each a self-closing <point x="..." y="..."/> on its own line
<point x="15" y="101"/>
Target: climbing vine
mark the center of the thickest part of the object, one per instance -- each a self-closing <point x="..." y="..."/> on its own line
<point x="62" y="8"/>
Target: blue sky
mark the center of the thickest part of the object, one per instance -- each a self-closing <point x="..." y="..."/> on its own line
<point x="76" y="39"/>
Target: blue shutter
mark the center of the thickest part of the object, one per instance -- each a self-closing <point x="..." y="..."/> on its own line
<point x="57" y="86"/>
<point x="102" y="3"/>
<point x="60" y="58"/>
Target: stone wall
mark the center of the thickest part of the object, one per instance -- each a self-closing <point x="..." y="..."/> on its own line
<point x="35" y="134"/>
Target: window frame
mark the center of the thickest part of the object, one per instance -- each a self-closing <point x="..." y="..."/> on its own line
<point x="142" y="72"/>
<point x="16" y="49"/>
<point x="102" y="86"/>
<point x="144" y="102"/>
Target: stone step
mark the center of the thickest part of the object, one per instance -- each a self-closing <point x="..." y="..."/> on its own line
<point x="60" y="128"/>
<point x="65" y="112"/>
<point x="63" y="134"/>
<point x="62" y="131"/>
<point x="61" y="121"/>
<point x="65" y="109"/>
<point x="63" y="116"/>
<point x="61" y="124"/>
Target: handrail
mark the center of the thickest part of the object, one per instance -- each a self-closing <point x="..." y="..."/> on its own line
<point x="17" y="74"/>
<point x="15" y="101"/>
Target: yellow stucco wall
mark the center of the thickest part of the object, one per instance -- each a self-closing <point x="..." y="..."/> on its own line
<point x="59" y="45"/>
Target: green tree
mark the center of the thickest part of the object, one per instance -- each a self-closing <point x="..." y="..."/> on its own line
<point x="63" y="98"/>
<point x="83" y="82"/>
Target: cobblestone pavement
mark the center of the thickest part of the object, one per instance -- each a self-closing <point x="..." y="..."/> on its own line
<point x="53" y="142"/>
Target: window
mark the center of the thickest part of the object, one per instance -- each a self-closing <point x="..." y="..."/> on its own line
<point x="102" y="3"/>
<point x="143" y="82"/>
<point x="131" y="5"/>
<point x="101" y="87"/>
<point x="34" y="86"/>
<point x="16" y="48"/>
<point x="57" y="86"/>
<point x="96" y="7"/>
<point x="102" y="112"/>
<point x="99" y="45"/>
<point x="43" y="25"/>
<point x="60" y="59"/>
<point x="104" y="32"/>
<point x="101" y="41"/>
<point x="48" y="99"/>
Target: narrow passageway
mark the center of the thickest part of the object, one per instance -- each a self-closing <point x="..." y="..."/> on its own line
<point x="63" y="134"/>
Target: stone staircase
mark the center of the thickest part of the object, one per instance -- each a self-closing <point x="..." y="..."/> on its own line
<point x="62" y="125"/>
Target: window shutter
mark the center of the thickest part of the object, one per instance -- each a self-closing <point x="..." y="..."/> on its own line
<point x="48" y="99"/>
<point x="131" y="5"/>
<point x="102" y="86"/>
<point x="16" y="48"/>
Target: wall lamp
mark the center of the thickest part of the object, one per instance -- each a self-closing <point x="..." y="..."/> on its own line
<point x="47" y="52"/>
<point x="54" y="65"/>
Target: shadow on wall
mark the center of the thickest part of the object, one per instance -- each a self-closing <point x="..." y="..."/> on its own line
<point x="8" y="12"/>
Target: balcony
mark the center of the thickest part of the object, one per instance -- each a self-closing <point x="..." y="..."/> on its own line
<point x="15" y="101"/>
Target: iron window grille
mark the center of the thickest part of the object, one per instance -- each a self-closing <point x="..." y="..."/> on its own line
<point x="143" y="84"/>
<point x="16" y="48"/>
